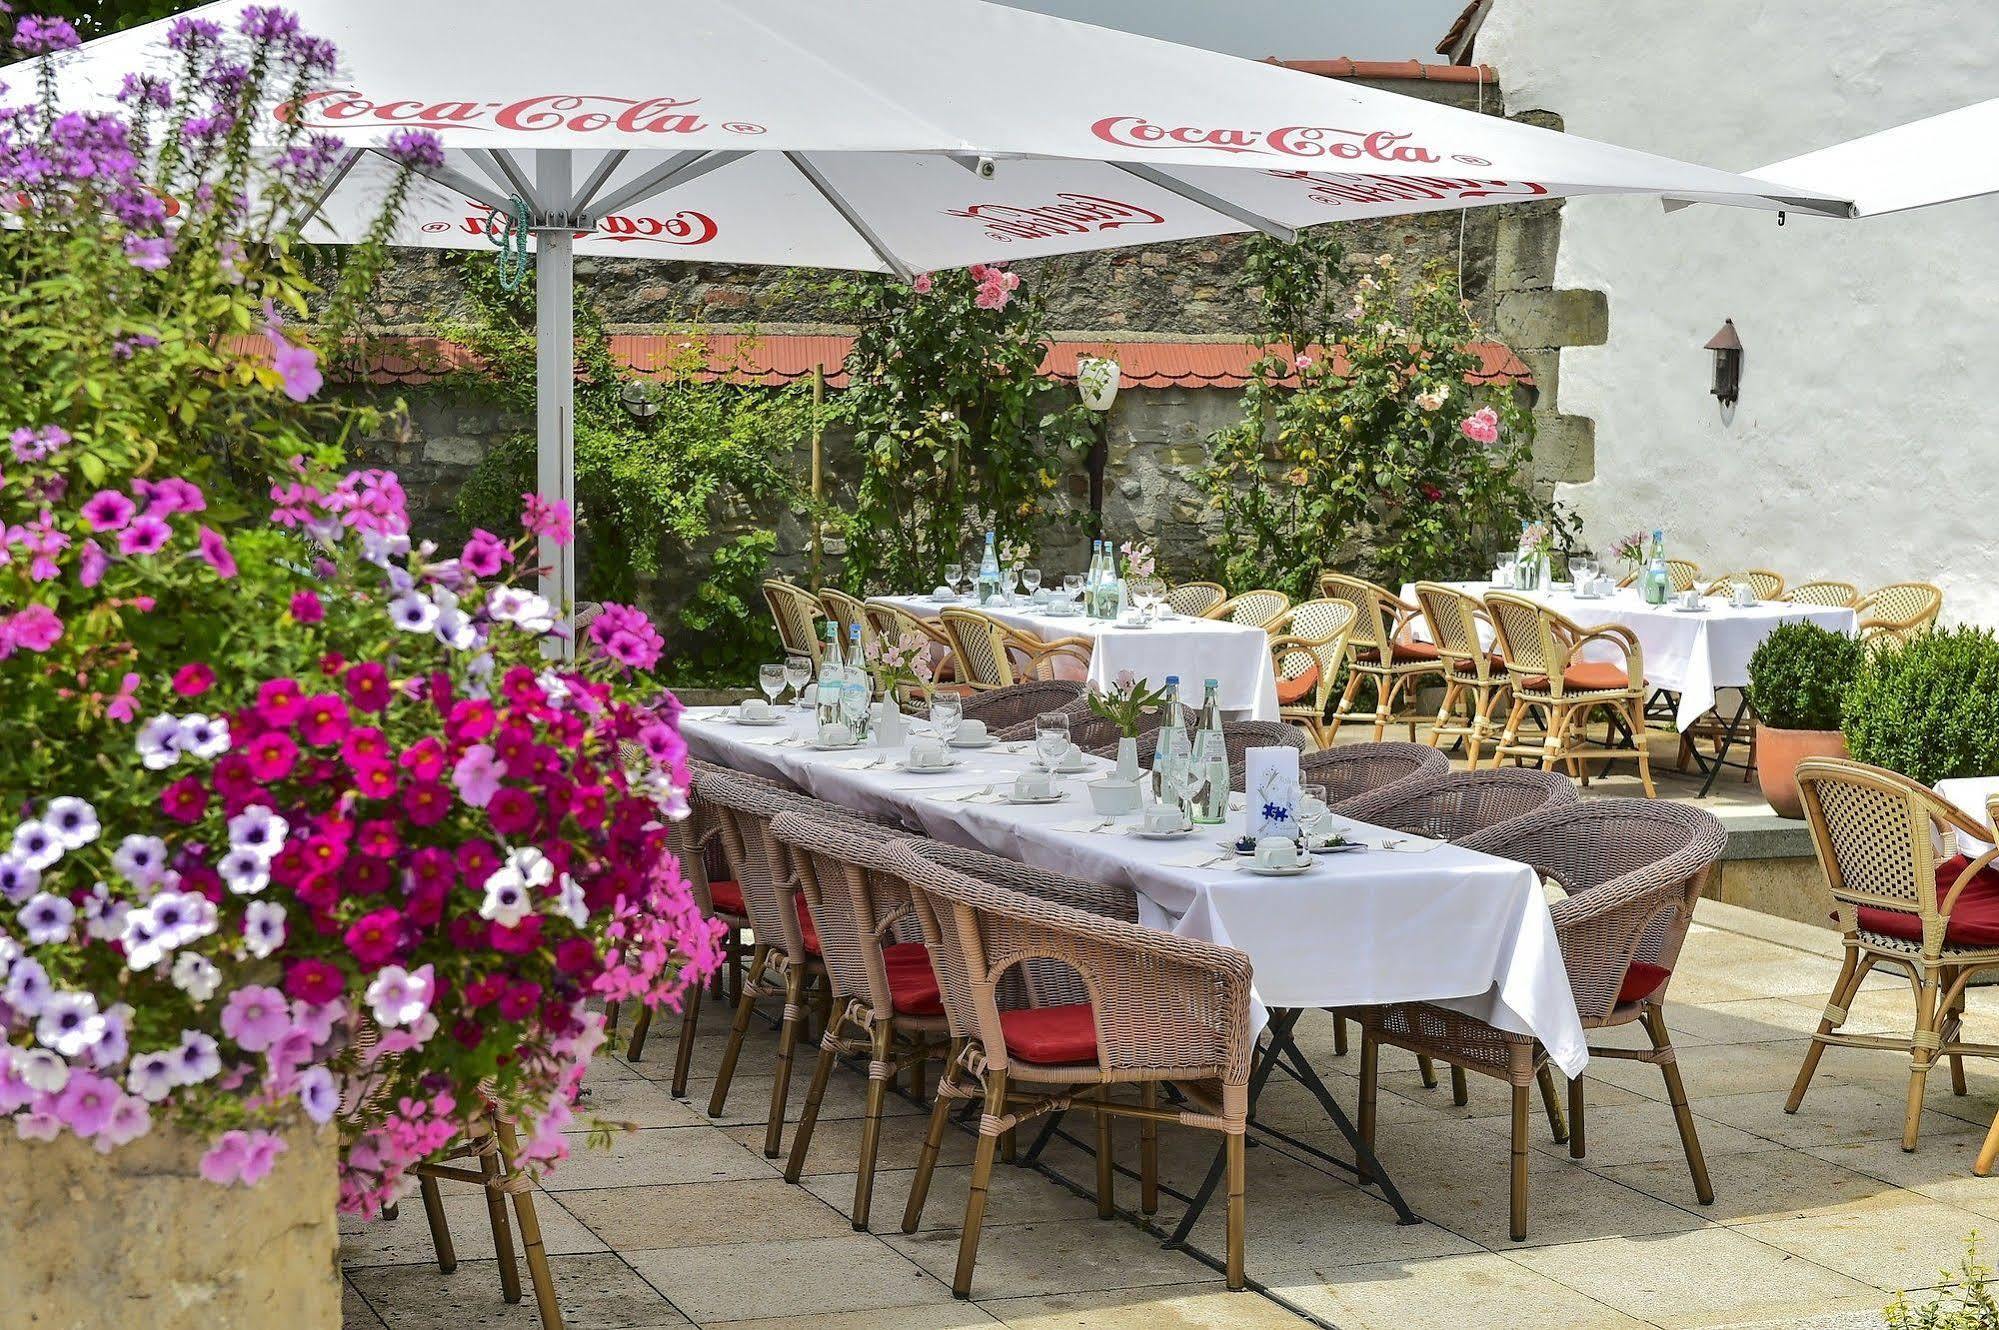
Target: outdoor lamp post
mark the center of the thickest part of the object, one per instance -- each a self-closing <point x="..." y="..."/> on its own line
<point x="1097" y="379"/>
<point x="1727" y="348"/>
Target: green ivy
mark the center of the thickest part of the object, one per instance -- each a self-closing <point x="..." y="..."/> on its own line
<point x="1369" y="469"/>
<point x="951" y="423"/>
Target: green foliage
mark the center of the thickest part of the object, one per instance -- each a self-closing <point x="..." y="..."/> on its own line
<point x="950" y="419"/>
<point x="649" y="487"/>
<point x="1928" y="707"/>
<point x="1372" y="469"/>
<point x="1963" y="1302"/>
<point x="1799" y="676"/>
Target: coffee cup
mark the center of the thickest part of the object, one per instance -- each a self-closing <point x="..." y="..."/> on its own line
<point x="1033" y="785"/>
<point x="971" y="731"/>
<point x="1277" y="852"/>
<point x="1744" y="597"/>
<point x="836" y="734"/>
<point x="1164" y="817"/>
<point x="927" y="752"/>
<point x="1690" y="599"/>
<point x="754" y="708"/>
<point x="1311" y="812"/>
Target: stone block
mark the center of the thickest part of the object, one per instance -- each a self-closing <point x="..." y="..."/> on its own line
<point x="1565" y="449"/>
<point x="1554" y="318"/>
<point x="453" y="450"/>
<point x="138" y="1238"/>
<point x="1526" y="243"/>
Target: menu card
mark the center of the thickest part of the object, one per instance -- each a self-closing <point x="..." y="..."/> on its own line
<point x="1270" y="778"/>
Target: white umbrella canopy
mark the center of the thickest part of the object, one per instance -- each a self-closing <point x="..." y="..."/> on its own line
<point x="1939" y="160"/>
<point x="882" y="135"/>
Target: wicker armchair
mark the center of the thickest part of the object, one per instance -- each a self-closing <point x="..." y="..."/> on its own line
<point x="1380" y="651"/>
<point x="886" y="1004"/>
<point x="893" y="623"/>
<point x="1154" y="1009"/>
<point x="1900" y="904"/>
<point x="992" y="655"/>
<point x="1899" y="610"/>
<point x="1455" y="805"/>
<point x="797" y="613"/>
<point x="1356" y="770"/>
<point x="1254" y="609"/>
<point x="1633" y="869"/>
<point x="1474" y="674"/>
<point x="1835" y="594"/>
<point x="1541" y="648"/>
<point x="1196" y="598"/>
<point x="846" y="611"/>
<point x="1762" y="583"/>
<point x="1006" y="709"/>
<point x="1306" y="654"/>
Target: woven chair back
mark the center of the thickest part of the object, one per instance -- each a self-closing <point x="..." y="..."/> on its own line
<point x="686" y="838"/>
<point x="1836" y="594"/>
<point x="1374" y="623"/>
<point x="1196" y="598"/>
<point x="1904" y="608"/>
<point x="1461" y="803"/>
<point x="1762" y="583"/>
<point x="1529" y="634"/>
<point x="1454" y="619"/>
<point x="1875" y="832"/>
<point x="855" y="904"/>
<point x="796" y="612"/>
<point x="1684" y="573"/>
<point x="1003" y="708"/>
<point x="846" y="611"/>
<point x="1352" y="770"/>
<point x="743" y="812"/>
<point x="979" y="642"/>
<point x="1252" y="609"/>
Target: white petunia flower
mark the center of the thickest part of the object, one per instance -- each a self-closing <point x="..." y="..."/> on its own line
<point x="17" y="880"/>
<point x="204" y="736"/>
<point x="455" y="629"/>
<point x="520" y="607"/>
<point x="413" y="613"/>
<point x="263" y="928"/>
<point x="151" y="1075"/>
<point x="141" y="860"/>
<point x="570" y="904"/>
<point x="69" y="1023"/>
<point x="47" y="918"/>
<point x="28" y="986"/>
<point x="246" y="871"/>
<point x="74" y="820"/>
<point x="195" y="975"/>
<point x="158" y="742"/>
<point x="507" y="901"/>
<point x="35" y="844"/>
<point x="104" y="914"/>
<point x="401" y="997"/>
<point x="196" y="1059"/>
<point x="260" y="831"/>
<point x="42" y="1069"/>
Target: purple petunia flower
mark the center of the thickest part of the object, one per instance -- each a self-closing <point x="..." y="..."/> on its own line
<point x="418" y="149"/>
<point x="36" y="34"/>
<point x="149" y="253"/>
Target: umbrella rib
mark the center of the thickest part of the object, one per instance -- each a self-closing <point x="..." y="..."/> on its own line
<point x="461" y="183"/>
<point x="483" y="159"/>
<point x="850" y="214"/>
<point x="1194" y="194"/>
<point x="598" y="179"/>
<point x="512" y="169"/>
<point x="675" y="171"/>
<point x="325" y="191"/>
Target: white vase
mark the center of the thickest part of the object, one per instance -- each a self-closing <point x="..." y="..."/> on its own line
<point x="890" y="728"/>
<point x="1127" y="760"/>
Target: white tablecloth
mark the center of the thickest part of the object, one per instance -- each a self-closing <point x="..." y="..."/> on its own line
<point x="1694" y="654"/>
<point x="1236" y="656"/>
<point x="1444" y="925"/>
<point x="1970" y="793"/>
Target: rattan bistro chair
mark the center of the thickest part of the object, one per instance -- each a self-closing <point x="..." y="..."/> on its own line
<point x="1474" y="674"/>
<point x="1253" y="609"/>
<point x="1633" y="869"/>
<point x="992" y="655"/>
<point x="1899" y="610"/>
<point x="1153" y="1009"/>
<point x="1901" y="904"/>
<point x="1683" y="573"/>
<point x="492" y="1146"/>
<point x="1379" y="650"/>
<point x="1309" y="645"/>
<point x="796" y="612"/>
<point x="1762" y="583"/>
<point x="1196" y="598"/>
<point x="886" y="1004"/>
<point x="1835" y="594"/>
<point x="846" y="611"/>
<point x="1354" y="771"/>
<point x="1005" y="710"/>
<point x="892" y="623"/>
<point x="1541" y="648"/>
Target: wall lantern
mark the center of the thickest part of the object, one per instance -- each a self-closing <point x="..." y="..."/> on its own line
<point x="638" y="400"/>
<point x="1097" y="380"/>
<point x="1727" y="348"/>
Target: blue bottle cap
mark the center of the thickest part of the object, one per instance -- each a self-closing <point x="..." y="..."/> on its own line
<point x="1173" y="679"/>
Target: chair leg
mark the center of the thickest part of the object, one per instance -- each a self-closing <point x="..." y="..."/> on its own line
<point x="1235" y="1212"/>
<point x="1148" y="1153"/>
<point x="1339" y="1035"/>
<point x="1851" y="971"/>
<point x="982" y="1176"/>
<point x="641" y="1026"/>
<point x="683" y="1056"/>
<point x="530" y="1226"/>
<point x="1921" y="1055"/>
<point x="1446" y="712"/>
<point x="1427" y="1070"/>
<point x="1552" y="1103"/>
<point x="440" y="1225"/>
<point x="1577" y="1147"/>
<point x="808" y="1117"/>
<point x="787" y="1045"/>
<point x="1460" y="1092"/>
<point x="1955" y="1017"/>
<point x="496" y="1214"/>
<point x="1106" y="1170"/>
<point x="1644" y="749"/>
<point x="926" y="1161"/>
<point x="745" y="1007"/>
<point x="1683" y="1116"/>
<point x="879" y="1072"/>
<point x="734" y="951"/>
<point x="1517" y="1211"/>
<point x="1988" y="1151"/>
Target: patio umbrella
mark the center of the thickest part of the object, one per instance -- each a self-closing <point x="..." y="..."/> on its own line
<point x="1939" y="160"/>
<point x="882" y="135"/>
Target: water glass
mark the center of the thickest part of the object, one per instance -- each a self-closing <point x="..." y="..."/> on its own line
<point x="798" y="673"/>
<point x="1031" y="579"/>
<point x="1072" y="585"/>
<point x="1051" y="737"/>
<point x="947" y="712"/>
<point x="770" y="678"/>
<point x="954" y="573"/>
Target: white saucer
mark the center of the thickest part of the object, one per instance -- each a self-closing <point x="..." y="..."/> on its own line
<point x="745" y="720"/>
<point x="1690" y="609"/>
<point x="835" y="748"/>
<point x="1131" y="623"/>
<point x="1039" y="765"/>
<point x="1037" y="800"/>
<point x="1293" y="871"/>
<point x="927" y="771"/>
<point x="986" y="742"/>
<point x="1143" y="834"/>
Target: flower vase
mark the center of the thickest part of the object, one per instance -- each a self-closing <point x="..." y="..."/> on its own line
<point x="890" y="730"/>
<point x="1127" y="760"/>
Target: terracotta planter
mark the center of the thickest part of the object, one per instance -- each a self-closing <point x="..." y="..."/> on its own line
<point x="137" y="1238"/>
<point x="1778" y="753"/>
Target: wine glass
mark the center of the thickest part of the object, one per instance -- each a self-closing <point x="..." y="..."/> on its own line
<point x="797" y="673"/>
<point x="1582" y="571"/>
<point x="770" y="678"/>
<point x="1031" y="579"/>
<point x="954" y="573"/>
<point x="1051" y="737"/>
<point x="1150" y="593"/>
<point x="1072" y="585"/>
<point x="947" y="712"/>
<point x="1311" y="807"/>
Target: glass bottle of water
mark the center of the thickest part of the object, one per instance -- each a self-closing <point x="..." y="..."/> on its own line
<point x="1658" y="580"/>
<point x="1171" y="731"/>
<point x="1113" y="584"/>
<point x="857" y="690"/>
<point x="1091" y="576"/>
<point x="989" y="575"/>
<point x="832" y="678"/>
<point x="1212" y="752"/>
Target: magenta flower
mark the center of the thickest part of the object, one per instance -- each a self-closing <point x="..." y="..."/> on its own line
<point x="548" y="517"/>
<point x="215" y="553"/>
<point x="367" y="686"/>
<point x="485" y="553"/>
<point x="297" y="366"/>
<point x="307" y="607"/>
<point x="512" y="812"/>
<point x="146" y="535"/>
<point x="255" y="1017"/>
<point x="91" y="563"/>
<point x="271" y="755"/>
<point x="627" y="636"/>
<point x="108" y="510"/>
<point x="36" y="628"/>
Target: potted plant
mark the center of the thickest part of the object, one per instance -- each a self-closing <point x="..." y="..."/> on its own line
<point x="902" y="666"/>
<point x="1928" y="707"/>
<point x="1797" y="683"/>
<point x="1124" y="704"/>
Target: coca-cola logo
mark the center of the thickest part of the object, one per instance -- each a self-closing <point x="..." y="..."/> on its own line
<point x="1375" y="145"/>
<point x="1340" y="191"/>
<point x="1067" y="215"/>
<point x="686" y="227"/>
<point x="344" y="108"/>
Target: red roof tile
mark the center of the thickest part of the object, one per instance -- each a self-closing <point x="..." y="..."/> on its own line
<point x="1347" y="68"/>
<point x="782" y="358"/>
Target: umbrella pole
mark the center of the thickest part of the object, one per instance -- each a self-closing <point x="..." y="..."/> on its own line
<point x="555" y="376"/>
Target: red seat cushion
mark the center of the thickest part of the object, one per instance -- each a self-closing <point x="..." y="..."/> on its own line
<point x="1642" y="980"/>
<point x="1587" y="676"/>
<point x="911" y="980"/>
<point x="1299" y="687"/>
<point x="806" y="927"/>
<point x="1974" y="919"/>
<point x="727" y="895"/>
<point x="1497" y="661"/>
<point x="1406" y="653"/>
<point x="1051" y="1036"/>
